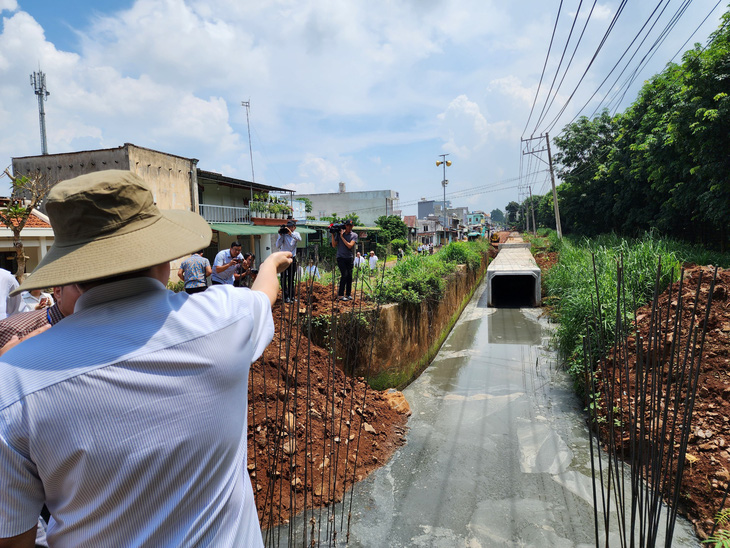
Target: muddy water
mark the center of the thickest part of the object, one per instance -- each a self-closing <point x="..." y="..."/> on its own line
<point x="497" y="451"/>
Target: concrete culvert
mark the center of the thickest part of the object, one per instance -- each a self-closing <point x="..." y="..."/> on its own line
<point x="513" y="278"/>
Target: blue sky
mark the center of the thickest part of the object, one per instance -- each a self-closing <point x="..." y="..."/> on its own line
<point x="367" y="93"/>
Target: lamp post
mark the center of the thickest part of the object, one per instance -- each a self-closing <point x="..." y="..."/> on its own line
<point x="444" y="182"/>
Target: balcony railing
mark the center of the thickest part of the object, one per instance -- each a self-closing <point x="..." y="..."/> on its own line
<point x="225" y="214"/>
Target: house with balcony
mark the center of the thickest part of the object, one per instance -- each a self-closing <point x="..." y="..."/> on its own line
<point x="236" y="209"/>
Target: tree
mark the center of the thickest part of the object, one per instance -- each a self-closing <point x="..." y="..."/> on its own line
<point x="307" y="204"/>
<point x="334" y="218"/>
<point x="392" y="228"/>
<point x="497" y="216"/>
<point x="27" y="192"/>
<point x="512" y="209"/>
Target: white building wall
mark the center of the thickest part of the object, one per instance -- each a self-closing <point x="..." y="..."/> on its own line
<point x="368" y="205"/>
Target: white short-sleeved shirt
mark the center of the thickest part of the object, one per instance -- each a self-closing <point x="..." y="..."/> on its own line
<point x="129" y="419"/>
<point x="9" y="305"/>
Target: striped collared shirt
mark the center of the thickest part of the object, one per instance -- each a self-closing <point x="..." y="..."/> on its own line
<point x="135" y="432"/>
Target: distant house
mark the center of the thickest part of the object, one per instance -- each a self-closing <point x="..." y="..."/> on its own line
<point x="368" y="204"/>
<point x="37" y="236"/>
<point x="411" y="221"/>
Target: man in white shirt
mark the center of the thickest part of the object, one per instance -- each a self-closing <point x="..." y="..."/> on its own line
<point x="287" y="241"/>
<point x="359" y="260"/>
<point x="36" y="299"/>
<point x="126" y="419"/>
<point x="9" y="305"/>
<point x="225" y="264"/>
<point x="373" y="261"/>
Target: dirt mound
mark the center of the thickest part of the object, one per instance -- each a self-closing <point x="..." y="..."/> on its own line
<point x="707" y="461"/>
<point x="313" y="430"/>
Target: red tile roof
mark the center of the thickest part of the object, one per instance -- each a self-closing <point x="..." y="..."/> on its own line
<point x="33" y="222"/>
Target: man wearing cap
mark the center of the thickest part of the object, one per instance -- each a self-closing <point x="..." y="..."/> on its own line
<point x="345" y="242"/>
<point x="126" y="419"/>
<point x="287" y="241"/>
<point x="225" y="264"/>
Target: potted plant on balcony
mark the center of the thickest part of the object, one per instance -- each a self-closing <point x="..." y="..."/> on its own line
<point x="256" y="208"/>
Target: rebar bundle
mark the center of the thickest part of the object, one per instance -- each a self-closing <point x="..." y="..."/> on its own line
<point x="641" y="383"/>
<point x="303" y="456"/>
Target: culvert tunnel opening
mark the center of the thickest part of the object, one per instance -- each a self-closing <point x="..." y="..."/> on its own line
<point x="513" y="291"/>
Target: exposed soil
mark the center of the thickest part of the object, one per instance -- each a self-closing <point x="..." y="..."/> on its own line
<point x="707" y="461"/>
<point x="707" y="464"/>
<point x="313" y="430"/>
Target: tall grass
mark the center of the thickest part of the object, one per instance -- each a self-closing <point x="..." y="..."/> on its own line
<point x="572" y="284"/>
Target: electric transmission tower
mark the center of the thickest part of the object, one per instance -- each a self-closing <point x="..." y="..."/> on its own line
<point x="38" y="81"/>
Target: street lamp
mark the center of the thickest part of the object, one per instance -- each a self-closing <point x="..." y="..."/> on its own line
<point x="444" y="182"/>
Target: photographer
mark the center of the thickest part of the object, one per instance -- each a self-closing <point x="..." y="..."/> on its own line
<point x="287" y="241"/>
<point x="345" y="241"/>
<point x="224" y="265"/>
<point x="246" y="271"/>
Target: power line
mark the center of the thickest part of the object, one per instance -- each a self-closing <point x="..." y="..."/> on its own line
<point x="537" y="93"/>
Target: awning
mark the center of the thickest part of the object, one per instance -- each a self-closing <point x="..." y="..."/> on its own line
<point x="236" y="229"/>
<point x="472" y="234"/>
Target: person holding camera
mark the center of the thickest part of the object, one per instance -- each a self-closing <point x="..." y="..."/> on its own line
<point x="287" y="241"/>
<point x="246" y="271"/>
<point x="345" y="241"/>
<point x="224" y="265"/>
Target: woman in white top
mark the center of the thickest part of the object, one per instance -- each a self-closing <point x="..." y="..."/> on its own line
<point x="35" y="299"/>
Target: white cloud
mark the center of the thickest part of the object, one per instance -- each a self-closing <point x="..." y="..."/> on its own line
<point x="319" y="170"/>
<point x="8" y="5"/>
<point x="466" y="129"/>
<point x="512" y="86"/>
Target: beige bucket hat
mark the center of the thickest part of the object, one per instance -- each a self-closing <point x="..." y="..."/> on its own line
<point x="107" y="224"/>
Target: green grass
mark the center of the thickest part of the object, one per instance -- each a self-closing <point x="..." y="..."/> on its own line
<point x="574" y="288"/>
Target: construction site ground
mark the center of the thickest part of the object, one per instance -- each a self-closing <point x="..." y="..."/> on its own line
<point x="707" y="470"/>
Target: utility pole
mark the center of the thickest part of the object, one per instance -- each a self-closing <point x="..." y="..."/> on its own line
<point x="555" y="192"/>
<point x="532" y="208"/>
<point x="552" y="177"/>
<point x="38" y="81"/>
<point x="444" y="182"/>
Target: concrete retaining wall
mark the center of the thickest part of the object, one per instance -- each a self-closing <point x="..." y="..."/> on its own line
<point x="405" y="338"/>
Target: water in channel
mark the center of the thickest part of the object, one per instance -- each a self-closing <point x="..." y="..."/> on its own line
<point x="497" y="451"/>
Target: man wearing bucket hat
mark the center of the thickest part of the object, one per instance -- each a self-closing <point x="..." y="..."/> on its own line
<point x="126" y="419"/>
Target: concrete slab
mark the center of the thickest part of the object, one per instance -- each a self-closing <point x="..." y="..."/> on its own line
<point x="513" y="276"/>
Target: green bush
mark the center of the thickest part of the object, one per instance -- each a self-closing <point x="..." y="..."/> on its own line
<point x="398" y="243"/>
<point x="422" y="278"/>
<point x="177" y="286"/>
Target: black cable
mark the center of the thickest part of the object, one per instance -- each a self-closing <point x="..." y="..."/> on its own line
<point x="537" y="93"/>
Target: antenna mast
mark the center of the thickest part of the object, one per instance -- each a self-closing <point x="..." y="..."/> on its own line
<point x="38" y="81"/>
<point x="247" y="104"/>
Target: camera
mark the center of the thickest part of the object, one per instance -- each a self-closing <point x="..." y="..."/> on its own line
<point x="283" y="229"/>
<point x="336" y="227"/>
<point x="254" y="271"/>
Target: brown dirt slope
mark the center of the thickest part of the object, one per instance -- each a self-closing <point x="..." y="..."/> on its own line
<point x="707" y="464"/>
<point x="313" y="430"/>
